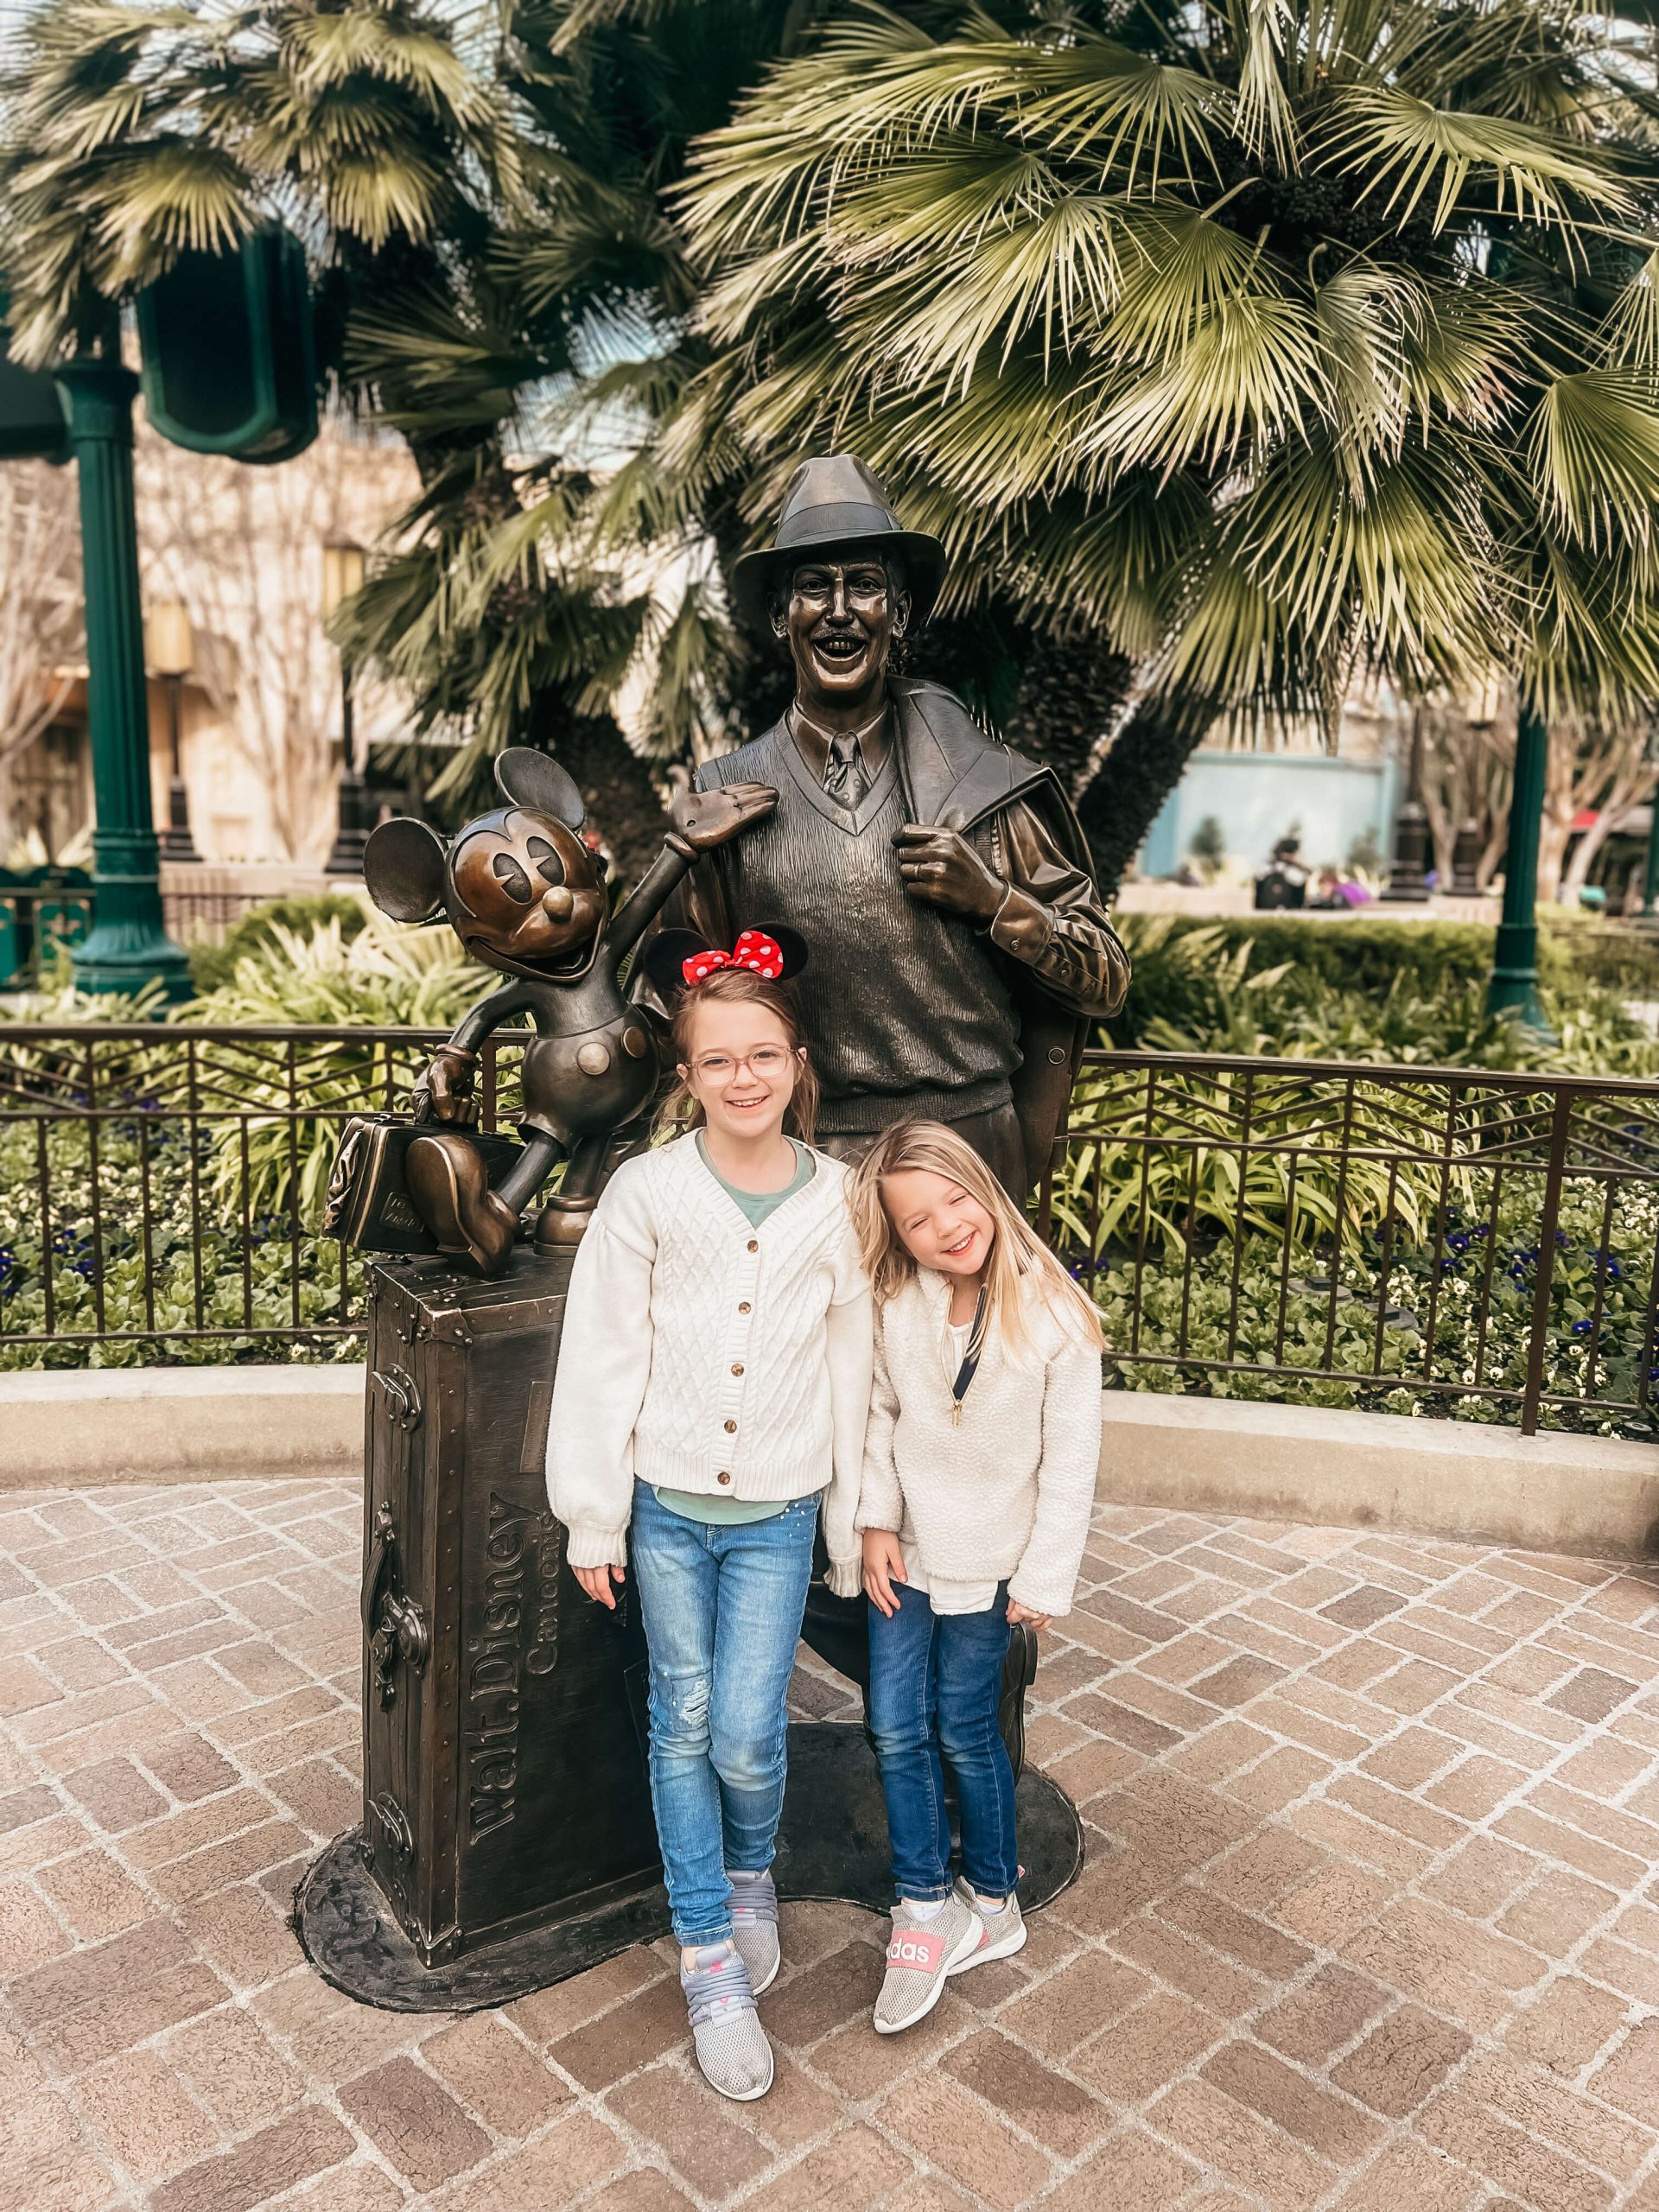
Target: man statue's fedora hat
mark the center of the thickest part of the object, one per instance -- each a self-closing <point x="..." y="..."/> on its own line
<point x="836" y="507"/>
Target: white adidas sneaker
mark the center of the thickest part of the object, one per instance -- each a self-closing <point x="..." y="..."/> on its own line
<point x="1001" y="1933"/>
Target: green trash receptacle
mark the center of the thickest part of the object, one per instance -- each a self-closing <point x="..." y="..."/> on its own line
<point x="12" y="977"/>
<point x="63" y="918"/>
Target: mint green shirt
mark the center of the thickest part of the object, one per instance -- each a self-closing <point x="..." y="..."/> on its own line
<point x="755" y="1206"/>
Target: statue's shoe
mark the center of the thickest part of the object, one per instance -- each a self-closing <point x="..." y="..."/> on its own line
<point x="1019" y="1673"/>
<point x="450" y="1187"/>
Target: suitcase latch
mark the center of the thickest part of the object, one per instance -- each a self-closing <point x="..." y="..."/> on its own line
<point x="400" y="1837"/>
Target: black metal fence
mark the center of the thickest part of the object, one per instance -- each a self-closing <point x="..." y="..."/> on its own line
<point x="1419" y="1240"/>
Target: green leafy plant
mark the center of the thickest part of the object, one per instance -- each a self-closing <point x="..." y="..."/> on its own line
<point x="214" y="965"/>
<point x="1208" y="844"/>
<point x="381" y="975"/>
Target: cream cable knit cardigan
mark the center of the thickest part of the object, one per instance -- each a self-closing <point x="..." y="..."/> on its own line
<point x="1008" y="1493"/>
<point x="706" y="1354"/>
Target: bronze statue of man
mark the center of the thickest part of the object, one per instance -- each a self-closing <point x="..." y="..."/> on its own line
<point x="959" y="945"/>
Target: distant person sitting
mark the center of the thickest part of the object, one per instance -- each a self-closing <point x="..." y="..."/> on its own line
<point x="1335" y="892"/>
<point x="1283" y="882"/>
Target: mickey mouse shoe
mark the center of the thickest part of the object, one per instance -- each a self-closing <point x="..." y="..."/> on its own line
<point x="921" y="1954"/>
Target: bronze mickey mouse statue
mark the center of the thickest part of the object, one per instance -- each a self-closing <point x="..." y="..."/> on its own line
<point x="525" y="892"/>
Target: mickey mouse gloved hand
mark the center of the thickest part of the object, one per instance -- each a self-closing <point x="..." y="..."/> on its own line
<point x="449" y="1085"/>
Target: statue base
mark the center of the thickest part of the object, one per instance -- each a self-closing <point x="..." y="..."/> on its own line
<point x="832" y="1846"/>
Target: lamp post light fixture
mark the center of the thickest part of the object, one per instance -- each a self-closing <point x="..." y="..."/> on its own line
<point x="170" y="651"/>
<point x="342" y="574"/>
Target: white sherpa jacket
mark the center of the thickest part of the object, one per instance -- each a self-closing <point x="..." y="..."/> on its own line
<point x="706" y="1354"/>
<point x="1006" y="1494"/>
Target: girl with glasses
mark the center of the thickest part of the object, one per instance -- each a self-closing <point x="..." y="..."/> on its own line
<point x="713" y="1387"/>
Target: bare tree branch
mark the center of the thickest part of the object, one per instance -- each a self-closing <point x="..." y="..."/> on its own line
<point x="41" y="635"/>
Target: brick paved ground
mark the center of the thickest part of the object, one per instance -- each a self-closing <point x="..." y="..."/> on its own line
<point x="1370" y="1824"/>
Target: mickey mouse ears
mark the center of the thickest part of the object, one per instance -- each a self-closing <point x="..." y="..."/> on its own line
<point x="403" y="869"/>
<point x="677" y="959"/>
<point x="528" y="778"/>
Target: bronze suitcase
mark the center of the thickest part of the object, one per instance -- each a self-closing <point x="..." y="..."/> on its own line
<point x="368" y="1204"/>
<point x="504" y="1713"/>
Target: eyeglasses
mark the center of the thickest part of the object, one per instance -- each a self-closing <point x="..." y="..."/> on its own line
<point x="765" y="1063"/>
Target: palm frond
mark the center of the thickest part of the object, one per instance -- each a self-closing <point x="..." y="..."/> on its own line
<point x="1595" y="449"/>
<point x="1409" y="150"/>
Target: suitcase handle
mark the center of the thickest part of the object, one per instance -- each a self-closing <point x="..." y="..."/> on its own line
<point x="401" y="1632"/>
<point x="380" y="1552"/>
<point x="403" y="1398"/>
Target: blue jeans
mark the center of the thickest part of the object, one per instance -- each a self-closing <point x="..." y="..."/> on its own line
<point x="935" y="1682"/>
<point x="722" y="1606"/>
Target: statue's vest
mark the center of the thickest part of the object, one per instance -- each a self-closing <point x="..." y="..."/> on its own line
<point x="899" y="1001"/>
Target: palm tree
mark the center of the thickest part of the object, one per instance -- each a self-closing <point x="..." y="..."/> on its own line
<point x="1260" y="338"/>
<point x="461" y="257"/>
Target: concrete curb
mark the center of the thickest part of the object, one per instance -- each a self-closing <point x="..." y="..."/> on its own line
<point x="1592" y="1496"/>
<point x="81" y="1425"/>
<point x="1598" y="1497"/>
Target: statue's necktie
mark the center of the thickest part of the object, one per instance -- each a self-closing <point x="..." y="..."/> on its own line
<point x="844" y="776"/>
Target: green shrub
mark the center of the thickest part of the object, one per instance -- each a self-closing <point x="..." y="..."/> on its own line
<point x="245" y="1275"/>
<point x="1289" y="987"/>
<point x="1600" y="955"/>
<point x="1364" y="953"/>
<point x="211" y="966"/>
<point x="1455" y="1310"/>
<point x="381" y="975"/>
<point x="1208" y="844"/>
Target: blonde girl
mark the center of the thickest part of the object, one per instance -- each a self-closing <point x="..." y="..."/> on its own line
<point x="713" y="1388"/>
<point x="979" y="1473"/>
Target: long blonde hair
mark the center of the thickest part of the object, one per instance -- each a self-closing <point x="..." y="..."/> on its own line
<point x="680" y="1111"/>
<point x="1019" y="1257"/>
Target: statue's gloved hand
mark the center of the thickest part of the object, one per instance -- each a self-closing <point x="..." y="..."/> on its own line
<point x="945" y="869"/>
<point x="450" y="1086"/>
<point x="705" y="819"/>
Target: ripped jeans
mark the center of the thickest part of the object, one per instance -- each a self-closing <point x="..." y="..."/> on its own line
<point x="721" y="1604"/>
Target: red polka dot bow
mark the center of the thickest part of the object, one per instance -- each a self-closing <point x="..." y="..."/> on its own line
<point x="754" y="950"/>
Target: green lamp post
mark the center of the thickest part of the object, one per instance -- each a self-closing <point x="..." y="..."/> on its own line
<point x="1513" y="988"/>
<point x="230" y="367"/>
<point x="129" y="947"/>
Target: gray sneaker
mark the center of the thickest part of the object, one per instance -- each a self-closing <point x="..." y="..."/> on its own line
<point x="754" y="1927"/>
<point x="920" y="1956"/>
<point x="732" y="2052"/>
<point x="1000" y="1934"/>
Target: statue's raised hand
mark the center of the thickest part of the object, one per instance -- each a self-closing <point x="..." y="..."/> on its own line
<point x="706" y="819"/>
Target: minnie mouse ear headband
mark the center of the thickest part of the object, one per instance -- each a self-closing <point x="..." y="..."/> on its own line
<point x="678" y="960"/>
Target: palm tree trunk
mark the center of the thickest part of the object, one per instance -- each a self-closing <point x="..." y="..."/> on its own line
<point x="1121" y="801"/>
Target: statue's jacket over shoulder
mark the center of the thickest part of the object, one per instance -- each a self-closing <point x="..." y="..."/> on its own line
<point x="940" y="1007"/>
